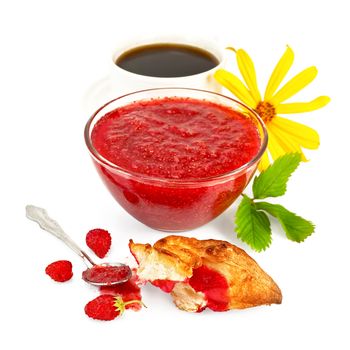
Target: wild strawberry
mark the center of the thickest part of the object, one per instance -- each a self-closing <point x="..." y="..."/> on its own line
<point x="60" y="271"/>
<point x="99" y="241"/>
<point x="107" y="307"/>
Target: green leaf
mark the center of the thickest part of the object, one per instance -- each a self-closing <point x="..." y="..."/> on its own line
<point x="252" y="226"/>
<point x="273" y="181"/>
<point x="297" y="229"/>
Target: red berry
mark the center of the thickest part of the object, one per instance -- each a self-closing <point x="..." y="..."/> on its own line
<point x="99" y="241"/>
<point x="60" y="271"/>
<point x="102" y="308"/>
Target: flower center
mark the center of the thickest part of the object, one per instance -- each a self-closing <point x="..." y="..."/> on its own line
<point x="266" y="111"/>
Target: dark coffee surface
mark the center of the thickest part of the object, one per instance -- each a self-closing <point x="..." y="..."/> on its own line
<point x="167" y="60"/>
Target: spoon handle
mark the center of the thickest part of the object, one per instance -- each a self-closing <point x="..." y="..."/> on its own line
<point x="40" y="216"/>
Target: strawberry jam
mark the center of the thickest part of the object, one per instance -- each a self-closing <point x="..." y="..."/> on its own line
<point x="168" y="153"/>
<point x="213" y="285"/>
<point x="128" y="291"/>
<point x="165" y="285"/>
<point x="106" y="274"/>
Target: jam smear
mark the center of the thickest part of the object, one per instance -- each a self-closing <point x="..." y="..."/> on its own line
<point x="213" y="285"/>
<point x="208" y="281"/>
<point x="128" y="291"/>
<point x="165" y="285"/>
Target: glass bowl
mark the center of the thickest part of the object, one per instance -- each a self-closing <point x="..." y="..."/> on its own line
<point x="174" y="204"/>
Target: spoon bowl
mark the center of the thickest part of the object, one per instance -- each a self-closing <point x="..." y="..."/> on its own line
<point x="107" y="274"/>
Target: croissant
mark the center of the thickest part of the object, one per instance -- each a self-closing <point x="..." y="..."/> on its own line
<point x="205" y="273"/>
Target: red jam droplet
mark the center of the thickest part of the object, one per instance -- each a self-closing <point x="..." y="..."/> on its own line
<point x="106" y="274"/>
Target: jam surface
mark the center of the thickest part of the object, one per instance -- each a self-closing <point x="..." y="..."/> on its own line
<point x="176" y="138"/>
<point x="106" y="274"/>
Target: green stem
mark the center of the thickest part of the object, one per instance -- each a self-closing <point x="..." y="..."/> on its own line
<point x="135" y="301"/>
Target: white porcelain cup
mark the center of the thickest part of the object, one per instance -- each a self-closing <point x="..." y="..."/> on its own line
<point x="123" y="81"/>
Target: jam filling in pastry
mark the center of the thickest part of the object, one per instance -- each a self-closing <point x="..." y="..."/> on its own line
<point x="205" y="273"/>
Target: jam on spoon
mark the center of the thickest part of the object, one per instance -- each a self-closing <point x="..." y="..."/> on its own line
<point x="106" y="274"/>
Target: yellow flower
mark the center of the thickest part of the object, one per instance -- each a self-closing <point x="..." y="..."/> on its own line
<point x="285" y="136"/>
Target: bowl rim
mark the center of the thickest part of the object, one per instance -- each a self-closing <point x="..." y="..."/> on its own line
<point x="131" y="174"/>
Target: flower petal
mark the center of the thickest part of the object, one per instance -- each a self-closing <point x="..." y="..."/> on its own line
<point x="231" y="49"/>
<point x="288" y="144"/>
<point x="232" y="83"/>
<point x="301" y="107"/>
<point x="279" y="73"/>
<point x="264" y="161"/>
<point x="294" y="85"/>
<point x="304" y="135"/>
<point x="274" y="147"/>
<point x="246" y="67"/>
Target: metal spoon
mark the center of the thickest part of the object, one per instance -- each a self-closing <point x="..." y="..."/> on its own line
<point x="40" y="216"/>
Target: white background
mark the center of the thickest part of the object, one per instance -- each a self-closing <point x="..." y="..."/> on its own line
<point x="51" y="52"/>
